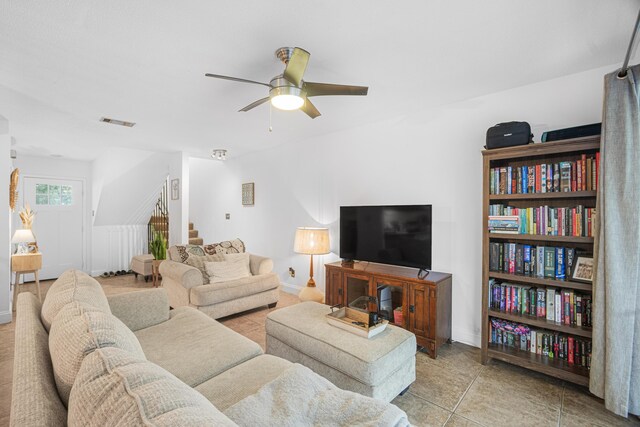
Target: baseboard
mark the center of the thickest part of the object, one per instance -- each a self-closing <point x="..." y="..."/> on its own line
<point x="96" y="273"/>
<point x="466" y="337"/>
<point x="291" y="289"/>
<point x="6" y="317"/>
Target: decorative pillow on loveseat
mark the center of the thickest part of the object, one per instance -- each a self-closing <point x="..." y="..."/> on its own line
<point x="235" y="246"/>
<point x="180" y="253"/>
<point x="198" y="262"/>
<point x="235" y="268"/>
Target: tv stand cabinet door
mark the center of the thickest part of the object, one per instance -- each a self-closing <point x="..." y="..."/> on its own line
<point x="422" y="299"/>
<point x="334" y="293"/>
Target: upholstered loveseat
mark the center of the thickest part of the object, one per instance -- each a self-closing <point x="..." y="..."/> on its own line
<point x="84" y="359"/>
<point x="185" y="278"/>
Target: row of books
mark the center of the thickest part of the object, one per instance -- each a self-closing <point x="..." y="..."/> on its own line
<point x="579" y="175"/>
<point x="552" y="345"/>
<point x="543" y="220"/>
<point x="562" y="306"/>
<point x="553" y="262"/>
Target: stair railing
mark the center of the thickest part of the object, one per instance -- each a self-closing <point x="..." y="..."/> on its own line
<point x="159" y="221"/>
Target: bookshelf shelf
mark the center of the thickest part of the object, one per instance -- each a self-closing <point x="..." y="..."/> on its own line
<point x="540" y="281"/>
<point x="540" y="238"/>
<point x="554" y="153"/>
<point x="544" y="196"/>
<point x="542" y="323"/>
<point x="556" y="368"/>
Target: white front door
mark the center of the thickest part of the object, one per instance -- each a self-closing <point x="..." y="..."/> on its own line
<point x="59" y="222"/>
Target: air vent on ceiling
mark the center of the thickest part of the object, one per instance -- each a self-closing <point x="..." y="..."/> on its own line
<point x="117" y="122"/>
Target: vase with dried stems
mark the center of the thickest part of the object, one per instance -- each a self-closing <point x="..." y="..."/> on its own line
<point x="27" y="216"/>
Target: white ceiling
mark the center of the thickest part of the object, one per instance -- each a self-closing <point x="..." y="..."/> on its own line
<point x="64" y="64"/>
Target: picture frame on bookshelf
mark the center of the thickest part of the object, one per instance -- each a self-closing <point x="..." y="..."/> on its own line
<point x="583" y="270"/>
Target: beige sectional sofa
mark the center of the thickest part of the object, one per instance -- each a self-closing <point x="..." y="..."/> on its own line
<point x="84" y="359"/>
<point x="188" y="285"/>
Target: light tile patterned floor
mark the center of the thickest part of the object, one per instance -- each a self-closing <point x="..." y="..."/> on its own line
<point x="453" y="390"/>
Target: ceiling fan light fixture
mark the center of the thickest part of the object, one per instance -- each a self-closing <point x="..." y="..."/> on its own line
<point x="287" y="102"/>
<point x="287" y="98"/>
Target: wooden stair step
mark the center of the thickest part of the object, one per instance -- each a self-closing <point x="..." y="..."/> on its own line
<point x="193" y="234"/>
<point x="196" y="241"/>
<point x="190" y="226"/>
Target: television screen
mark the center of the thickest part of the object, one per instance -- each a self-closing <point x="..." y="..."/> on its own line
<point x="398" y="235"/>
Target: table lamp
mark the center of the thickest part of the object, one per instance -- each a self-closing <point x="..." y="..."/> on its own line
<point x="23" y="237"/>
<point x="311" y="241"/>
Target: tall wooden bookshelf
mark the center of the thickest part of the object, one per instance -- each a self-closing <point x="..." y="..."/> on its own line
<point x="552" y="152"/>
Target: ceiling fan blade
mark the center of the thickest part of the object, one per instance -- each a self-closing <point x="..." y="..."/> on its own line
<point x="296" y="66"/>
<point x="236" y="79"/>
<point x="254" y="104"/>
<point x="321" y="89"/>
<point x="310" y="109"/>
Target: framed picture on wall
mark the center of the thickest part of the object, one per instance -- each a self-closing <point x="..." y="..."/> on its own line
<point x="175" y="189"/>
<point x="583" y="270"/>
<point x="247" y="194"/>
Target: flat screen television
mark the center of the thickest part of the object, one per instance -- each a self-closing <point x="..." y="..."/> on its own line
<point x="397" y="235"/>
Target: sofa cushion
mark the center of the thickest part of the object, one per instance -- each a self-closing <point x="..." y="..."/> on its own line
<point x="198" y="262"/>
<point x="235" y="268"/>
<point x="243" y="380"/>
<point x="76" y="331"/>
<point x="235" y="246"/>
<point x="194" y="347"/>
<point x="115" y="387"/>
<point x="72" y="285"/>
<point x="233" y="289"/>
<point x="180" y="253"/>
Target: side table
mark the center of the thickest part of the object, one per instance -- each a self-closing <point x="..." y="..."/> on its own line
<point x="23" y="264"/>
<point x="156" y="272"/>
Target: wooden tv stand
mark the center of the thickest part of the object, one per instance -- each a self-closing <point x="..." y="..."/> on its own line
<point x="425" y="303"/>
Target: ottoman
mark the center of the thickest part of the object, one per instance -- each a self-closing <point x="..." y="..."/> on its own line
<point x="143" y="265"/>
<point x="381" y="367"/>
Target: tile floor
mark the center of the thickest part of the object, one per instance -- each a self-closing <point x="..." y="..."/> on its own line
<point x="453" y="390"/>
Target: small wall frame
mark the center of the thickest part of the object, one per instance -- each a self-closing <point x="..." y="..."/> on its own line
<point x="248" y="194"/>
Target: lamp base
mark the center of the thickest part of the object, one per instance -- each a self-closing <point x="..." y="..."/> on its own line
<point x="311" y="294"/>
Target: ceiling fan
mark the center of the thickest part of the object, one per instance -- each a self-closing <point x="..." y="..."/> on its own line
<point x="288" y="91"/>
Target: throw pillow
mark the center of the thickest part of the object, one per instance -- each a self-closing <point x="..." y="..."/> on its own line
<point x="245" y="257"/>
<point x="184" y="251"/>
<point x="199" y="261"/>
<point x="235" y="246"/>
<point x="115" y="387"/>
<point x="227" y="270"/>
<point x="79" y="329"/>
<point x="72" y="285"/>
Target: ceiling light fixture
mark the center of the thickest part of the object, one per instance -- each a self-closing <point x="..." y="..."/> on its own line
<point x="286" y="97"/>
<point x="219" y="154"/>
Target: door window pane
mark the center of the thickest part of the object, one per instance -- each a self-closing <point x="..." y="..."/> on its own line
<point x="54" y="194"/>
<point x="66" y="195"/>
<point x="42" y="189"/>
<point x="42" y="199"/>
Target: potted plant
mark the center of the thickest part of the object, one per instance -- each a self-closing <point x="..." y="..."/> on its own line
<point x="158" y="246"/>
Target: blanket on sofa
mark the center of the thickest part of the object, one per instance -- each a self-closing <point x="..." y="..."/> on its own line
<point x="300" y="397"/>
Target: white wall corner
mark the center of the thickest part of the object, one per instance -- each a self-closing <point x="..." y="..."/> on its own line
<point x="5" y="226"/>
<point x="179" y="209"/>
<point x="466" y="337"/>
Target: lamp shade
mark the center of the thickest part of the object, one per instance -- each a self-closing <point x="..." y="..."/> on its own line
<point x="311" y="241"/>
<point x="23" y="235"/>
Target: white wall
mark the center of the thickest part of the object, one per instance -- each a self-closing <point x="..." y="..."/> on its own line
<point x="5" y="225"/>
<point x="179" y="208"/>
<point x="430" y="156"/>
<point x="52" y="167"/>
